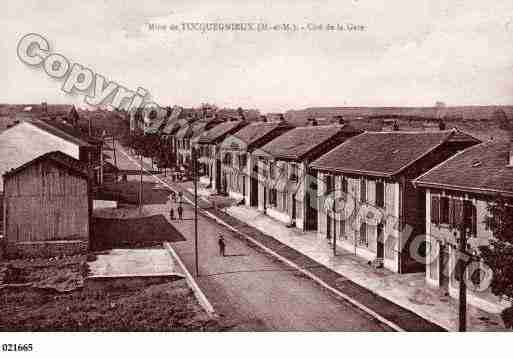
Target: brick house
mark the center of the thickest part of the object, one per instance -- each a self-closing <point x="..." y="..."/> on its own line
<point x="47" y="207"/>
<point x="238" y="165"/>
<point x="367" y="182"/>
<point x="209" y="149"/>
<point x="287" y="185"/>
<point x="458" y="190"/>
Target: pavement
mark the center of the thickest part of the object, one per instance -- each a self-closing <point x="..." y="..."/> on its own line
<point x="401" y="298"/>
<point x="134" y="263"/>
<point x="408" y="291"/>
<point x="252" y="290"/>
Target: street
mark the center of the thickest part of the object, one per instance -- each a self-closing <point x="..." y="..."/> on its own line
<point x="252" y="290"/>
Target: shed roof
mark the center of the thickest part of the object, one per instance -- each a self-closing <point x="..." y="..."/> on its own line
<point x="57" y="157"/>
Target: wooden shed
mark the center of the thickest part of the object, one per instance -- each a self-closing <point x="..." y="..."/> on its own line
<point x="47" y="207"/>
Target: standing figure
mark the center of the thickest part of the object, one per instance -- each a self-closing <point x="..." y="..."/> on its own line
<point x="180" y="211"/>
<point x="172" y="214"/>
<point x="222" y="245"/>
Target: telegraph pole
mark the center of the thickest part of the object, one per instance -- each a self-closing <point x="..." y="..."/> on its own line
<point x="462" y="244"/>
<point x="195" y="176"/>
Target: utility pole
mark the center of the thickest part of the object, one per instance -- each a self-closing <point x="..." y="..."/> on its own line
<point x="195" y="176"/>
<point x="141" y="185"/>
<point x="462" y="247"/>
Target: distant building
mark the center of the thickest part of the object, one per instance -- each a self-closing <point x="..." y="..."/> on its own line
<point x="239" y="166"/>
<point x="287" y="185"/>
<point x="209" y="148"/>
<point x="459" y="190"/>
<point x="47" y="207"/>
<point x="372" y="173"/>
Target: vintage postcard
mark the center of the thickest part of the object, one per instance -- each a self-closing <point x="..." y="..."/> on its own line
<point x="255" y="166"/>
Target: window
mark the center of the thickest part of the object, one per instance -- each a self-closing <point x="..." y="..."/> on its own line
<point x="380" y="194"/>
<point x="363" y="235"/>
<point x="435" y="209"/>
<point x="294" y="172"/>
<point x="344" y="185"/>
<point x="470" y="216"/>
<point x="273" y="197"/>
<point x="263" y="168"/>
<point x="283" y="171"/>
<point x="243" y="160"/>
<point x="284" y="200"/>
<point x="272" y="168"/>
<point x="444" y="210"/>
<point x="227" y="158"/>
<point x="363" y="190"/>
<point x="342" y="227"/>
<point x="329" y="185"/>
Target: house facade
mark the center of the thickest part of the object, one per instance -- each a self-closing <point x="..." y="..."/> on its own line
<point x="30" y="139"/>
<point x="458" y="192"/>
<point x="209" y="152"/>
<point x="239" y="166"/>
<point x="287" y="186"/>
<point x="47" y="207"/>
<point x="367" y="202"/>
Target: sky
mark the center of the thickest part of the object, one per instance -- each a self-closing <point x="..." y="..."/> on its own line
<point x="411" y="53"/>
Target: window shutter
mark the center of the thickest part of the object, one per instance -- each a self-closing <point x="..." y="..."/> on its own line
<point x="451" y="212"/>
<point x="363" y="190"/>
<point x="473" y="227"/>
<point x="435" y="209"/>
<point x="458" y="212"/>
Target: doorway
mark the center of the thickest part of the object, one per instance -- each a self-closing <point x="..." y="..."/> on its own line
<point x="253" y="184"/>
<point x="294" y="208"/>
<point x="443" y="269"/>
<point x="380" y="245"/>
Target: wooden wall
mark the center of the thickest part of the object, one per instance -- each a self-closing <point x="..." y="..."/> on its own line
<point x="45" y="202"/>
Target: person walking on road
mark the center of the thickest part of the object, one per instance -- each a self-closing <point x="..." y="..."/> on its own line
<point x="172" y="214"/>
<point x="180" y="212"/>
<point x="222" y="245"/>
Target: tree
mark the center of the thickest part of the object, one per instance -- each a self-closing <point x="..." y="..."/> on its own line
<point x="498" y="255"/>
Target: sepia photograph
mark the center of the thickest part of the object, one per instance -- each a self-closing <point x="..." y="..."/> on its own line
<point x="287" y="173"/>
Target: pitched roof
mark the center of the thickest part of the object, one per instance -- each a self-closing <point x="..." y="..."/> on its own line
<point x="300" y="141"/>
<point x="66" y="132"/>
<point x="385" y="153"/>
<point x="184" y="131"/>
<point x="171" y="127"/>
<point x="57" y="157"/>
<point x="256" y="131"/>
<point x="481" y="169"/>
<point x="218" y="132"/>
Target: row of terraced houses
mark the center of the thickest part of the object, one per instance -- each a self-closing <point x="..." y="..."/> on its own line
<point x="330" y="178"/>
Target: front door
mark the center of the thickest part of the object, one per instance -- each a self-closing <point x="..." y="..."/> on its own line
<point x="380" y="249"/>
<point x="444" y="267"/>
<point x="254" y="191"/>
<point x="294" y="207"/>
<point x="328" y="226"/>
<point x="265" y="199"/>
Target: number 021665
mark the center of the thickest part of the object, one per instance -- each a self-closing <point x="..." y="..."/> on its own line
<point x="17" y="347"/>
